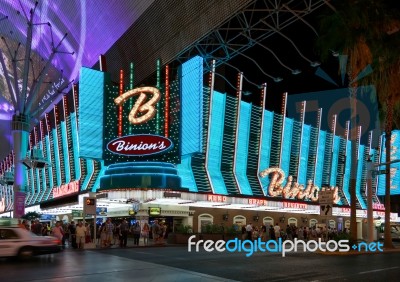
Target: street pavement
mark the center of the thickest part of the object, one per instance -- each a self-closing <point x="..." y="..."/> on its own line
<point x="175" y="263"/>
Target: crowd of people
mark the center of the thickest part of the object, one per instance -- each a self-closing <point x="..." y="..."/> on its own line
<point x="290" y="232"/>
<point x="108" y="234"/>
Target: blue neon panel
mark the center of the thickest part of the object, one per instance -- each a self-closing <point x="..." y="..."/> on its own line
<point x="67" y="165"/>
<point x="91" y="92"/>
<point x="265" y="150"/>
<point x="360" y="166"/>
<point x="286" y="146"/>
<point x="335" y="160"/>
<point x="90" y="169"/>
<point x="99" y="175"/>
<point x="186" y="173"/>
<point x="215" y="145"/>
<point x="31" y="181"/>
<point x="394" y="168"/>
<point x="242" y="148"/>
<point x="320" y="161"/>
<point x="75" y="145"/>
<point x="57" y="157"/>
<point x="347" y="171"/>
<point x="192" y="106"/>
<point x="49" y="169"/>
<point x="38" y="184"/>
<point x="305" y="145"/>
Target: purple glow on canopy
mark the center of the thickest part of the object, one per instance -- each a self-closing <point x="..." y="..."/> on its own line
<point x="92" y="27"/>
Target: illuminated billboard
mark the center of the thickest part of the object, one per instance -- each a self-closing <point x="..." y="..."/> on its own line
<point x="142" y="123"/>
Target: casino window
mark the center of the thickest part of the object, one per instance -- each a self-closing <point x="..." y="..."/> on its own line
<point x="204" y="220"/>
<point x="239" y="220"/>
<point x="313" y="222"/>
<point x="268" y="221"/>
<point x="292" y="221"/>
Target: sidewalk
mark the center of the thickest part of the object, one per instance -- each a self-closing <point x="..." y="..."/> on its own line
<point x="115" y="245"/>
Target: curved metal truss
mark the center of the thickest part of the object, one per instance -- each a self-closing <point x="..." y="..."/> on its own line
<point x="250" y="26"/>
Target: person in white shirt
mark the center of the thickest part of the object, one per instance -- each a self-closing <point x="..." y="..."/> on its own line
<point x="277" y="230"/>
<point x="57" y="231"/>
<point x="249" y="231"/>
<point x="80" y="235"/>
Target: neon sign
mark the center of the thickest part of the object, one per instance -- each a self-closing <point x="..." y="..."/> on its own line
<point x="146" y="109"/>
<point x="378" y="207"/>
<point x="293" y="190"/>
<point x="216" y="198"/>
<point x="295" y="205"/>
<point x="258" y="202"/>
<point x="66" y="189"/>
<point x="139" y="145"/>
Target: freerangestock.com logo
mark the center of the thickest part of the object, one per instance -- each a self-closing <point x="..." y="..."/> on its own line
<point x="277" y="246"/>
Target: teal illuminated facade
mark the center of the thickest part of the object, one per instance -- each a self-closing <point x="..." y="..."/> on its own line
<point x="221" y="144"/>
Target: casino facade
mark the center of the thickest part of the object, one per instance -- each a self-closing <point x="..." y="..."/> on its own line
<point x="183" y="151"/>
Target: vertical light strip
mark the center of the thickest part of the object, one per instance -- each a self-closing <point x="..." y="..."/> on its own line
<point x="346" y="178"/>
<point x="120" y="108"/>
<point x="334" y="124"/>
<point x="371" y="159"/>
<point x="90" y="171"/>
<point x="360" y="164"/>
<point x="302" y="116"/>
<point x="50" y="170"/>
<point x="211" y="79"/>
<point x="56" y="149"/>
<point x="43" y="170"/>
<point x="358" y="141"/>
<point x="166" y="111"/>
<point x="319" y="117"/>
<point x="75" y="133"/>
<point x="35" y="137"/>
<point x="158" y="85"/>
<point x="283" y="112"/>
<point x="262" y="102"/>
<point x="380" y="160"/>
<point x="64" y="135"/>
<point x="334" y="153"/>
<point x="239" y="99"/>
<point x="131" y="80"/>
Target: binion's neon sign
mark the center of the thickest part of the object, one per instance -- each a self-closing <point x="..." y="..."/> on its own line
<point x="144" y="106"/>
<point x="293" y="190"/>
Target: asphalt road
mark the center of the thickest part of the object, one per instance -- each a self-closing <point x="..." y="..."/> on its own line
<point x="175" y="263"/>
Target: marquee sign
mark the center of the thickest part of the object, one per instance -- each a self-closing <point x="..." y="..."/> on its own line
<point x="293" y="190"/>
<point x="139" y="145"/>
<point x="66" y="189"/>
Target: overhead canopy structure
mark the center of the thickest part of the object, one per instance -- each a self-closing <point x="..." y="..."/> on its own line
<point x="85" y="29"/>
<point x="270" y="41"/>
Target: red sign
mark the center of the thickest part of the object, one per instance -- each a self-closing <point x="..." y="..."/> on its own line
<point x="294" y="205"/>
<point x="66" y="189"/>
<point x="378" y="207"/>
<point x="216" y="198"/>
<point x="139" y="145"/>
<point x="258" y="202"/>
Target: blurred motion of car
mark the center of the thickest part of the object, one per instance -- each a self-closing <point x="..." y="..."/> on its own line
<point x="21" y="243"/>
<point x="394" y="231"/>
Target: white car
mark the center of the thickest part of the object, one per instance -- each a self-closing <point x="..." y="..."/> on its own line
<point x="19" y="242"/>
